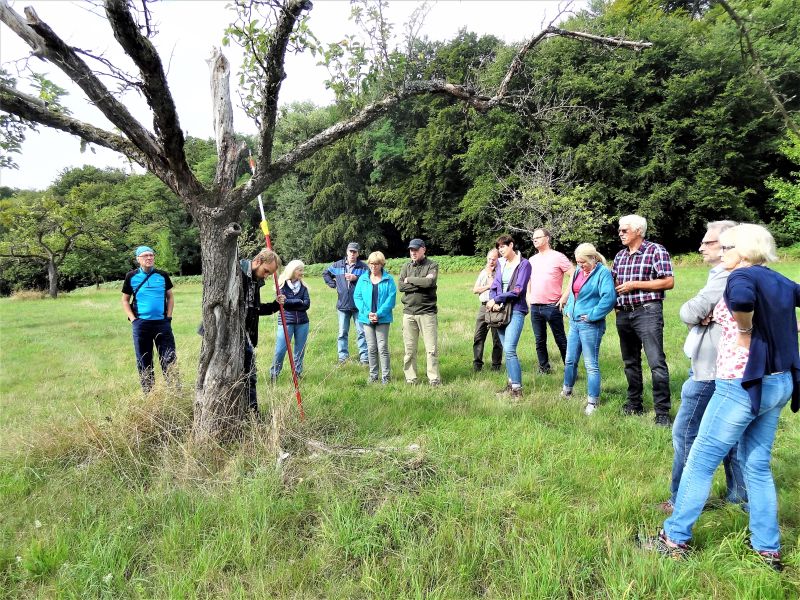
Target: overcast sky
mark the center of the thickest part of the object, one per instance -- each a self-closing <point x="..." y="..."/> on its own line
<point x="188" y="29"/>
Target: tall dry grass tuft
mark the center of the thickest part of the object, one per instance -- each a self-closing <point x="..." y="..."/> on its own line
<point x="130" y="440"/>
<point x="29" y="295"/>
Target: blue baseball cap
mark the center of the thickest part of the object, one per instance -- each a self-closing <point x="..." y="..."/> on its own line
<point x="142" y="249"/>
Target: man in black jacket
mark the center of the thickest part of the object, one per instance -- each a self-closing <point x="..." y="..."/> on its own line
<point x="254" y="272"/>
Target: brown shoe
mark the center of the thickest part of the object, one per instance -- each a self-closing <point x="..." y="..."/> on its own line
<point x="516" y="393"/>
<point x="666" y="507"/>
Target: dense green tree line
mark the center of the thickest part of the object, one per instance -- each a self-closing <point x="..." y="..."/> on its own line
<point x="682" y="133"/>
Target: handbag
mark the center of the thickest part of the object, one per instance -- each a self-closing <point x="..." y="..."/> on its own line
<point x="502" y="317"/>
<point x="499" y="318"/>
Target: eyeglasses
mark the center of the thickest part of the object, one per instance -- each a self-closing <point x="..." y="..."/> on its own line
<point x="709" y="242"/>
<point x="726" y="248"/>
<point x="624" y="230"/>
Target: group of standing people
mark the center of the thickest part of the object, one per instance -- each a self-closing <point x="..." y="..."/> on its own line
<point x="742" y="342"/>
<point x="634" y="287"/>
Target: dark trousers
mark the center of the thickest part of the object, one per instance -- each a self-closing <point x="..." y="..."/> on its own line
<point x="644" y="328"/>
<point x="147" y="333"/>
<point x="478" y="342"/>
<point x="541" y="316"/>
<point x="251" y="380"/>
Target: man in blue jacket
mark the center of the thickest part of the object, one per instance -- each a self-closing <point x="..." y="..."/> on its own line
<point x="148" y="302"/>
<point x="342" y="276"/>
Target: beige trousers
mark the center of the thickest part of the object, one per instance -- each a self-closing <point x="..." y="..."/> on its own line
<point x="428" y="325"/>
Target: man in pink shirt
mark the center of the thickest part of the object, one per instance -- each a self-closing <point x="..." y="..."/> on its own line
<point x="547" y="296"/>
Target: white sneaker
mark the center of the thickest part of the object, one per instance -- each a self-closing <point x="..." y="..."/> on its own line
<point x="590" y="408"/>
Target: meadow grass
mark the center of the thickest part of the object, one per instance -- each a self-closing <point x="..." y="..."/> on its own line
<point x="455" y="493"/>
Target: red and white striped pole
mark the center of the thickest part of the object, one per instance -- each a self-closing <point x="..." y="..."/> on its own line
<point x="268" y="243"/>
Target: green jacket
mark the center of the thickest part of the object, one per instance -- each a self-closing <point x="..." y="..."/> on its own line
<point x="419" y="294"/>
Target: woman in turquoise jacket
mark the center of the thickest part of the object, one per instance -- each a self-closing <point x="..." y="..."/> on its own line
<point x="591" y="298"/>
<point x="374" y="298"/>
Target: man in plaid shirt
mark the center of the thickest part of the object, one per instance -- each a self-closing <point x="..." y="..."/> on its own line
<point x="642" y="272"/>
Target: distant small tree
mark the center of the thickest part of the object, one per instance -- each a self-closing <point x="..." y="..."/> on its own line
<point x="42" y="228"/>
<point x="544" y="193"/>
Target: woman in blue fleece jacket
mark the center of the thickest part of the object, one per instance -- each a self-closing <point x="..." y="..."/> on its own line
<point x="374" y="297"/>
<point x="591" y="297"/>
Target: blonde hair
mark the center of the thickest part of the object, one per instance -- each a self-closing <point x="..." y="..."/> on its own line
<point x="266" y="257"/>
<point x="377" y="258"/>
<point x="638" y="223"/>
<point x="588" y="252"/>
<point x="289" y="271"/>
<point x="754" y="243"/>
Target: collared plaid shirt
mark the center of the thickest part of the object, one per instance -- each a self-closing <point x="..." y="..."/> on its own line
<point x="650" y="261"/>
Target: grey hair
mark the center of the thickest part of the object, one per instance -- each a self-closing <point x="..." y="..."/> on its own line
<point x="720" y="226"/>
<point x="638" y="223"/>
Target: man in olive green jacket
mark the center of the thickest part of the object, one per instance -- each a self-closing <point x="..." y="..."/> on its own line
<point x="418" y="284"/>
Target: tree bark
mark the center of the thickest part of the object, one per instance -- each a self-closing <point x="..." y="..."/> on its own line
<point x="220" y="400"/>
<point x="52" y="277"/>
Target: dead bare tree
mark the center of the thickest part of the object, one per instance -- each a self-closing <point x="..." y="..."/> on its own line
<point x="219" y="400"/>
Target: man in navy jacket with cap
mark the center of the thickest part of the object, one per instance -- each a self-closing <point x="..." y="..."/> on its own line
<point x="342" y="276"/>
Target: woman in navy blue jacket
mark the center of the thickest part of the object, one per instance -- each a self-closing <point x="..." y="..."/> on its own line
<point x="295" y="308"/>
<point x="758" y="370"/>
<point x="591" y="297"/>
<point x="374" y="297"/>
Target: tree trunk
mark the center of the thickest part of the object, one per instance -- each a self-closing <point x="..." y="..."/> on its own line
<point x="52" y="277"/>
<point x="220" y="393"/>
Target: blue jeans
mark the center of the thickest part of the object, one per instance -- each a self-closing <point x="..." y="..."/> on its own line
<point x="146" y="333"/>
<point x="584" y="337"/>
<point x="298" y="334"/>
<point x="644" y="328"/>
<point x="694" y="400"/>
<point x="541" y="315"/>
<point x="509" y="337"/>
<point x="344" y="332"/>
<point x="728" y="419"/>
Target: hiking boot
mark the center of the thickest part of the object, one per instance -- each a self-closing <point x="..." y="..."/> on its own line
<point x="411" y="381"/>
<point x="663" y="421"/>
<point x="385" y="380"/>
<point x="631" y="409"/>
<point x="565" y="392"/>
<point x="496" y="367"/>
<point x="477" y="368"/>
<point x="771" y="559"/>
<point x="590" y="408"/>
<point x="663" y="545"/>
<point x="435" y="383"/>
<point x="544" y="371"/>
<point x="341" y="362"/>
<point x="372" y="380"/>
<point x="666" y="507"/>
<point x="516" y="394"/>
<point x="505" y="390"/>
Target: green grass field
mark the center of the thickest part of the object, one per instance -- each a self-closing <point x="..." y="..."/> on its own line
<point x="458" y="495"/>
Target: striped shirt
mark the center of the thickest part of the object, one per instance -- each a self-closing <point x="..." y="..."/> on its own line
<point x="650" y="261"/>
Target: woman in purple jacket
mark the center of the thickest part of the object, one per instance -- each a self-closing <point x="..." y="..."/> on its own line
<point x="509" y="285"/>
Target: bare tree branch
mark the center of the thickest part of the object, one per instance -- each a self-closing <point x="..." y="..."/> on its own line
<point x="56" y="51"/>
<point x="36" y="110"/>
<point x="228" y="151"/>
<point x="155" y="87"/>
<point x="751" y="52"/>
<point x="273" y="77"/>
